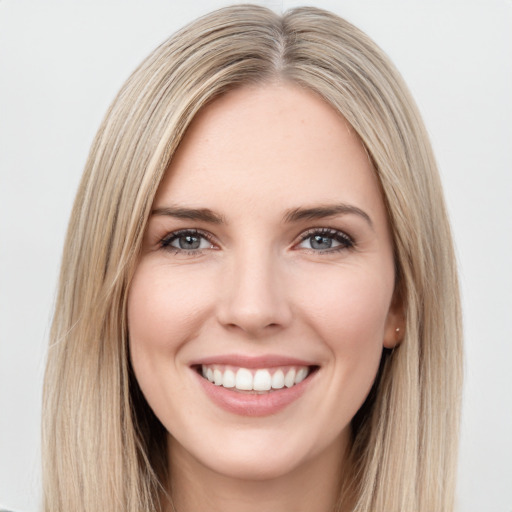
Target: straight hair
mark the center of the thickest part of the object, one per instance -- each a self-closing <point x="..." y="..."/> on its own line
<point x="103" y="448"/>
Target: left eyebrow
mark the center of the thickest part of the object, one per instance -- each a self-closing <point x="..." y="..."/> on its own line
<point x="199" y="214"/>
<point x="323" y="211"/>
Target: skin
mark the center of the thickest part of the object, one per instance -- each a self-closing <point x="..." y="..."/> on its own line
<point x="258" y="286"/>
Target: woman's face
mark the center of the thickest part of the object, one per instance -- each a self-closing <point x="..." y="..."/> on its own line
<point x="263" y="296"/>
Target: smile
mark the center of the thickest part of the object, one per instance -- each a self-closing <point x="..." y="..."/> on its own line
<point x="254" y="379"/>
<point x="254" y="386"/>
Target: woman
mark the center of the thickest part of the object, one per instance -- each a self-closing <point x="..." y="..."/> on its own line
<point x="258" y="300"/>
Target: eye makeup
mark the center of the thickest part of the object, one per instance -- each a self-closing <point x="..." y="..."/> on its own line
<point x="189" y="242"/>
<point x="193" y="241"/>
<point x="325" y="240"/>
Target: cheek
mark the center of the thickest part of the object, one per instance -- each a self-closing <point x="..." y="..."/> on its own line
<point x="350" y="306"/>
<point x="164" y="313"/>
<point x="349" y="312"/>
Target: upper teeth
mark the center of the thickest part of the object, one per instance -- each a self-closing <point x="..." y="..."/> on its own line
<point x="254" y="380"/>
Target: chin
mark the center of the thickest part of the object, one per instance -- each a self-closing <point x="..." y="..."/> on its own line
<point x="260" y="454"/>
<point x="254" y="466"/>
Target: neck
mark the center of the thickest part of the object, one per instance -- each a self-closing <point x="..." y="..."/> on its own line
<point x="314" y="485"/>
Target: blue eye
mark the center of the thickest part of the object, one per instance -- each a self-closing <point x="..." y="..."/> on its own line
<point x="187" y="241"/>
<point x="325" y="240"/>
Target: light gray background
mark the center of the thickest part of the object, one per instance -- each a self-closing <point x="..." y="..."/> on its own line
<point x="61" y="63"/>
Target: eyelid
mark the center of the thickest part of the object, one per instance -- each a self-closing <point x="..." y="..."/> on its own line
<point x="165" y="242"/>
<point x="325" y="231"/>
<point x="346" y="241"/>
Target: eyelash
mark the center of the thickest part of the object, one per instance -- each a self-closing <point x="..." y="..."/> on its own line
<point x="345" y="241"/>
<point x="166" y="242"/>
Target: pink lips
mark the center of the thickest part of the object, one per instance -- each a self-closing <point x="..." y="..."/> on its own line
<point x="265" y="361"/>
<point x="249" y="404"/>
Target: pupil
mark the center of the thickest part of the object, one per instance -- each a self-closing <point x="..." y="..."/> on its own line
<point x="321" y="242"/>
<point x="189" y="242"/>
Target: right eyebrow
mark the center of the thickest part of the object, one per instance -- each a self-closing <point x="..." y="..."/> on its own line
<point x="323" y="211"/>
<point x="200" y="214"/>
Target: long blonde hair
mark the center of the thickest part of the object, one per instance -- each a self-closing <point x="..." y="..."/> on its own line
<point x="102" y="447"/>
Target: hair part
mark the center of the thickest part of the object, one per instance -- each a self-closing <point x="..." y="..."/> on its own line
<point x="103" y="448"/>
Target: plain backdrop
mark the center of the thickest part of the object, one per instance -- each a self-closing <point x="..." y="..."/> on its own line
<point x="61" y="63"/>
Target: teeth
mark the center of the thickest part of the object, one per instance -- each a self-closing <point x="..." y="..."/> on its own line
<point x="278" y="380"/>
<point x="243" y="380"/>
<point x="289" y="379"/>
<point x="301" y="375"/>
<point x="217" y="377"/>
<point x="262" y="379"/>
<point x="229" y="379"/>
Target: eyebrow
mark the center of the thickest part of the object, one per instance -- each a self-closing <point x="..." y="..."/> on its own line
<point x="292" y="215"/>
<point x="323" y="211"/>
<point x="201" y="214"/>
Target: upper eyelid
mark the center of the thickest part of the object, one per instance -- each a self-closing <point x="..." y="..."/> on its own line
<point x="188" y="230"/>
<point x="324" y="229"/>
<point x="303" y="235"/>
<point x="165" y="242"/>
<point x="327" y="231"/>
<point x="345" y="241"/>
<point x="175" y="234"/>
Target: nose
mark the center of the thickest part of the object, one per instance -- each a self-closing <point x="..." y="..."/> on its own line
<point x="254" y="298"/>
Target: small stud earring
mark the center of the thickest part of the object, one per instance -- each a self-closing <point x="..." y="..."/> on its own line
<point x="397" y="330"/>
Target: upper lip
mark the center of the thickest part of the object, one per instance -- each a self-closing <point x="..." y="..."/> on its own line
<point x="245" y="361"/>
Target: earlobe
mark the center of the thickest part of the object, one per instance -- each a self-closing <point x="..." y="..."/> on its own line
<point x="395" y="325"/>
<point x="393" y="335"/>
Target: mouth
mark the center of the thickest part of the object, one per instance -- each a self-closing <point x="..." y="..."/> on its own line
<point x="255" y="380"/>
<point x="254" y="385"/>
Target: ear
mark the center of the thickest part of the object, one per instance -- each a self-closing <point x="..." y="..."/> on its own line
<point x="395" y="322"/>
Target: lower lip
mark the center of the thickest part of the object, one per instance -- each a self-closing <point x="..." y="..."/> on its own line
<point x="247" y="404"/>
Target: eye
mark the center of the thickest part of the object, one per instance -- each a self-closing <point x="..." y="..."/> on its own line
<point x="325" y="240"/>
<point x="187" y="241"/>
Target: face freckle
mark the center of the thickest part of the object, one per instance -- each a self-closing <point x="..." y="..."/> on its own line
<point x="268" y="250"/>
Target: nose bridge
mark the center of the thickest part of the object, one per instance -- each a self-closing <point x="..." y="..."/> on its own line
<point x="254" y="298"/>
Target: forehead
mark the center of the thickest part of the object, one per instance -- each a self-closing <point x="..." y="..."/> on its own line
<point x="278" y="144"/>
